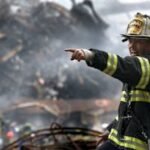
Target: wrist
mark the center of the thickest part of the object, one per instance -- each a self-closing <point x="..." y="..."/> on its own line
<point x="88" y="54"/>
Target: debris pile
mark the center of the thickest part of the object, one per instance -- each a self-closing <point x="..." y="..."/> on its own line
<point x="32" y="60"/>
<point x="57" y="137"/>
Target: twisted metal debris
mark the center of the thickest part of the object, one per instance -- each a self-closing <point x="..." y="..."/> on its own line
<point x="57" y="137"/>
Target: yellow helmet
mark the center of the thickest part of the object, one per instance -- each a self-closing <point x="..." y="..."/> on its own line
<point x="139" y="27"/>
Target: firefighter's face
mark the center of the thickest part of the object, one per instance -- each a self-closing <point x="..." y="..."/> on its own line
<point x="138" y="47"/>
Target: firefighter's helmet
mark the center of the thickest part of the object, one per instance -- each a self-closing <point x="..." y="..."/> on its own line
<point x="139" y="27"/>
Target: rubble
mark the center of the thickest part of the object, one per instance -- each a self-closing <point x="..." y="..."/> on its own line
<point x="33" y="44"/>
<point x="51" y="138"/>
<point x="42" y="113"/>
<point x="34" y="66"/>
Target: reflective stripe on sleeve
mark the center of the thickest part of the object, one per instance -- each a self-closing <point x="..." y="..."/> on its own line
<point x="145" y="75"/>
<point x="111" y="64"/>
<point x="127" y="142"/>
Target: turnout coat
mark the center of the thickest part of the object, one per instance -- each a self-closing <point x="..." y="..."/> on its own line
<point x="131" y="128"/>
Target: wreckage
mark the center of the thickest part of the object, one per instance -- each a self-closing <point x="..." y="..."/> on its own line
<point x="60" y="135"/>
<point x="51" y="138"/>
<point x="32" y="46"/>
<point x="32" y="61"/>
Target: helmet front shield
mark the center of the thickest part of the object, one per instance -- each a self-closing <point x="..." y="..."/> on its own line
<point x="139" y="28"/>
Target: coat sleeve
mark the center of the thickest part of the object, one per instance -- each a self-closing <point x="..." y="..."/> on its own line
<point x="131" y="69"/>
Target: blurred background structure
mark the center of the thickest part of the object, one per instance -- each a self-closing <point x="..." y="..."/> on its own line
<point x="39" y="84"/>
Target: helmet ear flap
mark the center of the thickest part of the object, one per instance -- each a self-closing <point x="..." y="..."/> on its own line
<point x="124" y="40"/>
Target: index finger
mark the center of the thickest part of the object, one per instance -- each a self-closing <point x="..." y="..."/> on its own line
<point x="70" y="50"/>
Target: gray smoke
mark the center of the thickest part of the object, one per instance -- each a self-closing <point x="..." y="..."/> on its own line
<point x="38" y="33"/>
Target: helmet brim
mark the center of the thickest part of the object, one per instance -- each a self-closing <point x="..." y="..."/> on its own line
<point x="126" y="37"/>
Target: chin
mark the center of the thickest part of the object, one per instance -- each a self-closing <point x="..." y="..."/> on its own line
<point x="134" y="54"/>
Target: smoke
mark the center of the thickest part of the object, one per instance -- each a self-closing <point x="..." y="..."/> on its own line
<point x="41" y="69"/>
<point x="43" y="39"/>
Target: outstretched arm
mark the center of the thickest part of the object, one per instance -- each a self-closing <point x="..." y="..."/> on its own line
<point x="132" y="69"/>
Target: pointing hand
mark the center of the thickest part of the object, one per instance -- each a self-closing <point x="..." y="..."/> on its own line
<point x="77" y="53"/>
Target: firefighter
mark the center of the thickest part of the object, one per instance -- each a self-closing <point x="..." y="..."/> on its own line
<point x="130" y="130"/>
